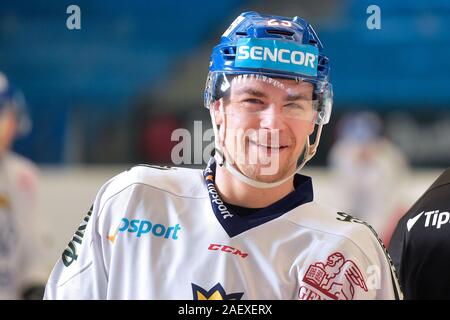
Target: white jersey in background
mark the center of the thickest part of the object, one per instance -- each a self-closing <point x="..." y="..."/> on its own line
<point x="368" y="180"/>
<point x="159" y="233"/>
<point x="20" y="246"/>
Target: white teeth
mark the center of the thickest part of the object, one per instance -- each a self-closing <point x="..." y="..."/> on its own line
<point x="273" y="147"/>
<point x="268" y="146"/>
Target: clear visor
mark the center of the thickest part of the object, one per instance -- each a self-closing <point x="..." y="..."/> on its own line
<point x="259" y="95"/>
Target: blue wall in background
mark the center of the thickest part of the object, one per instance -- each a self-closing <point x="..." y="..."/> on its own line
<point x="404" y="65"/>
<point x="126" y="46"/>
<point x="122" y="47"/>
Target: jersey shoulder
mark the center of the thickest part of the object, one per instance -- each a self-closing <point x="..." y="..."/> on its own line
<point x="176" y="181"/>
<point x="324" y="219"/>
<point x="443" y="179"/>
<point x="338" y="234"/>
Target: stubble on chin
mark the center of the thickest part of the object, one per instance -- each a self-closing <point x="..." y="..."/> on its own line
<point x="271" y="172"/>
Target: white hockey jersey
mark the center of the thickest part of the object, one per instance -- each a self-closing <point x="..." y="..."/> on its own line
<point x="160" y="233"/>
<point x="20" y="243"/>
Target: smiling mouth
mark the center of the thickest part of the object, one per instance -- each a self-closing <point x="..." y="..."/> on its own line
<point x="269" y="147"/>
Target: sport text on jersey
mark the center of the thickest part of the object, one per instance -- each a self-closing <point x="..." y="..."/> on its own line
<point x="143" y="227"/>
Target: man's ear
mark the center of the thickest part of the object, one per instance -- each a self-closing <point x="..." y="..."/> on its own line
<point x="216" y="109"/>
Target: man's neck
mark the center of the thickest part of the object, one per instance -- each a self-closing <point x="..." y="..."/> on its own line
<point x="234" y="191"/>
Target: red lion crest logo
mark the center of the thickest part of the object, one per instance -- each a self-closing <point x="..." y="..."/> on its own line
<point x="335" y="279"/>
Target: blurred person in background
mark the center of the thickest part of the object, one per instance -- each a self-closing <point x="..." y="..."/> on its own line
<point x="22" y="276"/>
<point x="368" y="172"/>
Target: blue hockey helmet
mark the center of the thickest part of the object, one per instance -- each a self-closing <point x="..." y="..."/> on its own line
<point x="275" y="47"/>
<point x="14" y="100"/>
<point x="268" y="48"/>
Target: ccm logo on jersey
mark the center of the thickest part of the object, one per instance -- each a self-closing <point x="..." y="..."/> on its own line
<point x="142" y="227"/>
<point x="433" y="218"/>
<point x="216" y="247"/>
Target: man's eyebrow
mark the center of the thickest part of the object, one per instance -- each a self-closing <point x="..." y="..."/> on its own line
<point x="298" y="96"/>
<point x="252" y="92"/>
<point x="260" y="94"/>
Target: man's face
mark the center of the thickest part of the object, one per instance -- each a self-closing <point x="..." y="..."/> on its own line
<point x="266" y="125"/>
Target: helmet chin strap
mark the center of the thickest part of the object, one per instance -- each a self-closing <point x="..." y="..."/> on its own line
<point x="221" y="160"/>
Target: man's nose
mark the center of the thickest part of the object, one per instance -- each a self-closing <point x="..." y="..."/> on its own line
<point x="271" y="117"/>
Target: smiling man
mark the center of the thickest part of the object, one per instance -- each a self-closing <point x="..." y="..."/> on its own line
<point x="247" y="226"/>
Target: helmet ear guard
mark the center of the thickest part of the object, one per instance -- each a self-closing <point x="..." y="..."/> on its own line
<point x="325" y="102"/>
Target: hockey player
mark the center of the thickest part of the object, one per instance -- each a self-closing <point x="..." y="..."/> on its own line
<point x="22" y="275"/>
<point x="247" y="226"/>
<point x="420" y="244"/>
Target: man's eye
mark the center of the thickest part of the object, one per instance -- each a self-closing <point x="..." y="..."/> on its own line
<point x="294" y="106"/>
<point x="255" y="101"/>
